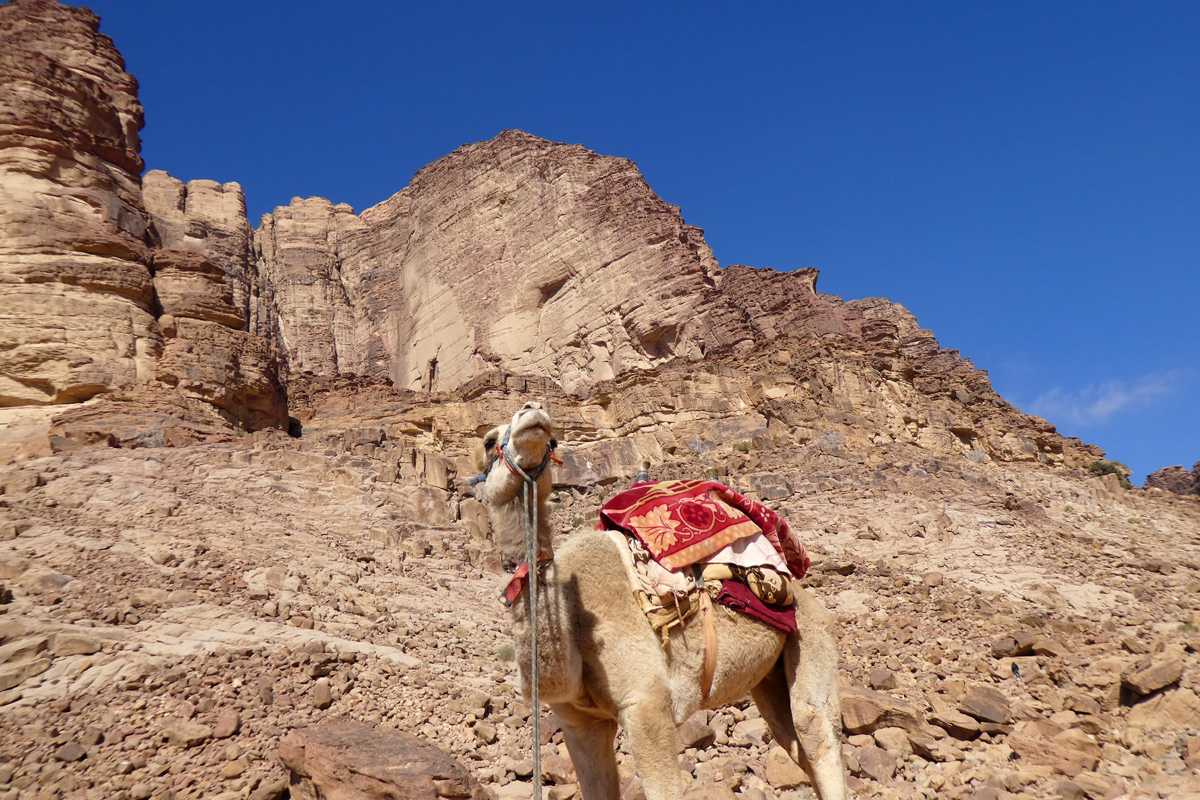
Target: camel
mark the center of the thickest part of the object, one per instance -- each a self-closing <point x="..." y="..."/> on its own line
<point x="600" y="663"/>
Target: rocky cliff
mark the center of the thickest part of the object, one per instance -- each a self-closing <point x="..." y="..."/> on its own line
<point x="517" y="254"/>
<point x="1176" y="479"/>
<point x="157" y="303"/>
<point x="100" y="298"/>
<point x="77" y="299"/>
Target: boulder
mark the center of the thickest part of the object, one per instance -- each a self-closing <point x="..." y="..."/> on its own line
<point x="1162" y="672"/>
<point x="1062" y="759"/>
<point x="346" y="759"/>
<point x="865" y="711"/>
<point x="986" y="703"/>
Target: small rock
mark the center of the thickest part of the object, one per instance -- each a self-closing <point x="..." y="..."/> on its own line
<point x="1050" y="647"/>
<point x="894" y="740"/>
<point x="781" y="772"/>
<point x="876" y="763"/>
<point x="1176" y="708"/>
<point x="748" y="733"/>
<point x="322" y="695"/>
<point x="13" y="675"/>
<point x="1160" y="674"/>
<point x="71" y="751"/>
<point x="270" y="790"/>
<point x="695" y="732"/>
<point x="1069" y="790"/>
<point x="559" y="770"/>
<point x="485" y="732"/>
<point x="229" y="722"/>
<point x="1095" y="785"/>
<point x="74" y="644"/>
<point x="955" y="723"/>
<point x="882" y="678"/>
<point x="148" y="596"/>
<point x="1064" y="760"/>
<point x="697" y="791"/>
<point x="185" y="732"/>
<point x="865" y="711"/>
<point x="986" y="703"/>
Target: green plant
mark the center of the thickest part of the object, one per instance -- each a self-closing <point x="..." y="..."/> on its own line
<point x="1102" y="467"/>
<point x="743" y="447"/>
<point x="506" y="652"/>
<point x="575" y="523"/>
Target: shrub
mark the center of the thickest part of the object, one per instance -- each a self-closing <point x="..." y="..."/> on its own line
<point x="1102" y="467"/>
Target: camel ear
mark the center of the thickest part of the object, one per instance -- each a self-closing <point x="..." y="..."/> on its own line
<point x="481" y="452"/>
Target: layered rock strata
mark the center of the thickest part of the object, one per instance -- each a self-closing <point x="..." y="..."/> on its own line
<point x="99" y="297"/>
<point x="524" y="257"/>
<point x="515" y="253"/>
<point x="1175" y="479"/>
<point x="76" y="296"/>
<point x="515" y="257"/>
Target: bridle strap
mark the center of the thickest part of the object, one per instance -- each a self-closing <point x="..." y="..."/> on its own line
<point x="511" y="462"/>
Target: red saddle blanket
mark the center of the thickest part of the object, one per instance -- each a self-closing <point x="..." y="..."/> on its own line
<point x="683" y="522"/>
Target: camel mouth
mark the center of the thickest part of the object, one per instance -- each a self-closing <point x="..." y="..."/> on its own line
<point x="530" y="419"/>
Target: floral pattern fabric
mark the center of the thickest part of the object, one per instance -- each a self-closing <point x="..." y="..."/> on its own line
<point x="685" y="522"/>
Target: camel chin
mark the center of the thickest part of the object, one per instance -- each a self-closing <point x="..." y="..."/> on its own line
<point x="601" y="664"/>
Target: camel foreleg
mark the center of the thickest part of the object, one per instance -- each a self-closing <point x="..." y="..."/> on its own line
<point x="650" y="726"/>
<point x="590" y="743"/>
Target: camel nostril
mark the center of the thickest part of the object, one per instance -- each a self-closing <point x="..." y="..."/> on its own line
<point x="532" y="405"/>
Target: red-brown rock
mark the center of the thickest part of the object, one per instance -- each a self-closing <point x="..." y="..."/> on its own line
<point x="347" y="759"/>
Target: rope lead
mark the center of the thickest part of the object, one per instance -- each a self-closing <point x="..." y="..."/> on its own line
<point x="531" y="559"/>
<point x="529" y="495"/>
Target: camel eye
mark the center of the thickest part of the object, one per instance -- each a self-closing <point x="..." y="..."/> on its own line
<point x="488" y="444"/>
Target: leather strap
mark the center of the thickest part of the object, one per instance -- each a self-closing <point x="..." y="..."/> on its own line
<point x="710" y="644"/>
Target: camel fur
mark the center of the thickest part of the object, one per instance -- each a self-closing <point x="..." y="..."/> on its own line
<point x="600" y="664"/>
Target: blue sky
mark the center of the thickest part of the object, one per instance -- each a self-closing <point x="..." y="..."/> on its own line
<point x="1024" y="177"/>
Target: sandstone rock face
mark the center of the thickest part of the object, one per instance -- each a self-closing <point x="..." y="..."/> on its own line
<point x="91" y="301"/>
<point x="515" y="253"/>
<point x="209" y="218"/>
<point x="76" y="293"/>
<point x="1175" y="479"/>
<point x="516" y="257"/>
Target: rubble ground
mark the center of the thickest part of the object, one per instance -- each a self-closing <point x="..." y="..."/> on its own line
<point x="171" y="613"/>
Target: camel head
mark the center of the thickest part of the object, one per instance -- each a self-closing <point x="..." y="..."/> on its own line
<point x="525" y="445"/>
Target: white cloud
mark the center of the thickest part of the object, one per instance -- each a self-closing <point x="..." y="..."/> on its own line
<point x="1095" y="405"/>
